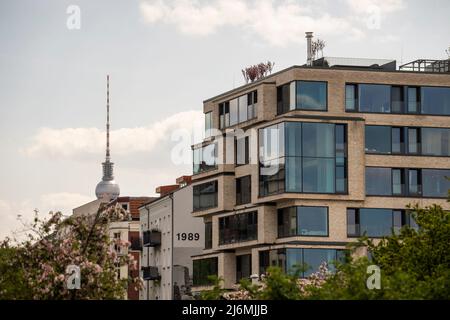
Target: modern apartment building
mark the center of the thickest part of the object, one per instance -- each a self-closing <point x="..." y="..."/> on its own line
<point x="171" y="235"/>
<point x="309" y="158"/>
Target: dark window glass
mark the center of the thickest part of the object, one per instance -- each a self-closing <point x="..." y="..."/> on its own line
<point x="303" y="221"/>
<point x="397" y="100"/>
<point x="205" y="196"/>
<point x="413" y="100"/>
<point x="435" y="100"/>
<point x="378" y="181"/>
<point x="435" y="141"/>
<point x="398" y="220"/>
<point x="242" y="151"/>
<point x="293" y="139"/>
<point x="352" y="223"/>
<point x="341" y="159"/>
<point x="243" y="190"/>
<point x="314" y="258"/>
<point x="205" y="158"/>
<point x="374" y="98"/>
<point x="283" y="98"/>
<point x="202" y="269"/>
<point x="264" y="261"/>
<point x="375" y="222"/>
<point x="272" y="177"/>
<point x="398" y="141"/>
<point x="398" y="182"/>
<point x="378" y="139"/>
<point x="413" y="140"/>
<point x="293" y="174"/>
<point x="435" y="183"/>
<point x="350" y="97"/>
<point x="238" y="228"/>
<point x="414" y="182"/>
<point x="318" y="175"/>
<point x="311" y="95"/>
<point x="243" y="267"/>
<point x="208" y="235"/>
<point x="318" y="140"/>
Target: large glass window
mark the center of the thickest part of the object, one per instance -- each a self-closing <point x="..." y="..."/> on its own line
<point x="376" y="222"/>
<point x="378" y="181"/>
<point x="381" y="98"/>
<point x="313" y="158"/>
<point x="435" y="183"/>
<point x="238" y="228"/>
<point x="435" y="100"/>
<point x="205" y="196"/>
<point x="378" y="139"/>
<point x="243" y="190"/>
<point x="303" y="221"/>
<point x="300" y="261"/>
<point x="202" y="269"/>
<point x="436" y="141"/>
<point x="413" y="141"/>
<point x="240" y="109"/>
<point x="205" y="158"/>
<point x="243" y="267"/>
<point x="374" y="98"/>
<point x="305" y="95"/>
<point x="311" y="95"/>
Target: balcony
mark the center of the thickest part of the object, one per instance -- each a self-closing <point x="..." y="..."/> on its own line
<point x="152" y="238"/>
<point x="136" y="244"/>
<point x="151" y="273"/>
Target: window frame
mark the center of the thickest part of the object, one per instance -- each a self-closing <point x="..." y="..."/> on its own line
<point x="282" y="212"/>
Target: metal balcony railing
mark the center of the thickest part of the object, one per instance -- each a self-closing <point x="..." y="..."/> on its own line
<point x="152" y="238"/>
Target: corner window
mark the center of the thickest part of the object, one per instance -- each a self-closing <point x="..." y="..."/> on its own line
<point x="205" y="196"/>
<point x="202" y="269"/>
<point x="302" y="95"/>
<point x="303" y="221"/>
<point x="238" y="228"/>
<point x="205" y="158"/>
<point x="238" y="110"/>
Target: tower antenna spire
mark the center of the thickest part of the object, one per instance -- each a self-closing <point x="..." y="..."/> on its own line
<point x="108" y="155"/>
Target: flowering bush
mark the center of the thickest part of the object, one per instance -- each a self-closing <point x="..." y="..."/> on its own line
<point x="52" y="244"/>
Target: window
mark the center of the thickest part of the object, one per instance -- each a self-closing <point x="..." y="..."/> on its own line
<point x="311" y="95"/>
<point x="435" y="183"/>
<point x="300" y="261"/>
<point x="398" y="182"/>
<point x="311" y="155"/>
<point x="208" y="124"/>
<point x="302" y="95"/>
<point x="374" y="98"/>
<point x="243" y="267"/>
<point x="397" y="99"/>
<point x="243" y="190"/>
<point x="205" y="158"/>
<point x="350" y="97"/>
<point x="414" y="182"/>
<point x="378" y="139"/>
<point x="435" y="141"/>
<point x="413" y="100"/>
<point x="303" y="221"/>
<point x="202" y="269"/>
<point x="208" y="235"/>
<point x="238" y="228"/>
<point x="242" y="151"/>
<point x="380" y="98"/>
<point x="435" y="100"/>
<point x="376" y="222"/>
<point x="421" y="141"/>
<point x="378" y="181"/>
<point x="205" y="196"/>
<point x="224" y="115"/>
<point x="238" y="110"/>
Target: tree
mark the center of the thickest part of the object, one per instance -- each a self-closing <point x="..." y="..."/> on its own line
<point x="39" y="263"/>
<point x="257" y="71"/>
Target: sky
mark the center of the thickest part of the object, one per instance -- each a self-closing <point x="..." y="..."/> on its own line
<point x="164" y="59"/>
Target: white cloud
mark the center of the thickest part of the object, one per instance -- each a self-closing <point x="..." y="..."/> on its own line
<point x="79" y="142"/>
<point x="9" y="211"/>
<point x="278" y="23"/>
<point x="384" y="6"/>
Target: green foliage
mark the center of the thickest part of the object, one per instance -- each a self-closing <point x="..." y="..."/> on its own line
<point x="216" y="293"/>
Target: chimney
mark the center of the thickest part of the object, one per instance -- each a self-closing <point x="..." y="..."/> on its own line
<point x="309" y="53"/>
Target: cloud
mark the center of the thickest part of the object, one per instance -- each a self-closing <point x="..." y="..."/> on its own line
<point x="9" y="210"/>
<point x="79" y="142"/>
<point x="279" y="23"/>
